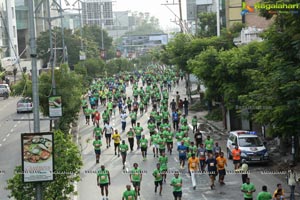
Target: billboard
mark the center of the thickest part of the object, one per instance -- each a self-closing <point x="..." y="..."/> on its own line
<point x="37" y="157"/>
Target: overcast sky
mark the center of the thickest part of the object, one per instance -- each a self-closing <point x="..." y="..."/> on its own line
<point x="154" y="7"/>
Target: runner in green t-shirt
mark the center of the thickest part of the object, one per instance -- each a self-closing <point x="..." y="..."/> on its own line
<point x="97" y="147"/>
<point x="133" y="117"/>
<point x="138" y="134"/>
<point x="103" y="180"/>
<point x="248" y="189"/>
<point x="97" y="131"/>
<point x="163" y="160"/>
<point x="209" y="144"/>
<point x="123" y="149"/>
<point x="87" y="113"/>
<point x="176" y="182"/>
<point x="154" y="142"/>
<point x="169" y="140"/>
<point x="129" y="194"/>
<point x="264" y="194"/>
<point x="194" y="123"/>
<point x="144" y="146"/>
<point x="158" y="179"/>
<point x="161" y="145"/>
<point x="151" y="127"/>
<point x="136" y="178"/>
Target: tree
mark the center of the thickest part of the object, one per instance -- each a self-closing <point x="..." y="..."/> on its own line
<point x="207" y="25"/>
<point x="118" y="65"/>
<point x="69" y="87"/>
<point x="66" y="169"/>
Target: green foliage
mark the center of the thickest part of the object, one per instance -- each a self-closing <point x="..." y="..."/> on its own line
<point x="118" y="65"/>
<point x="235" y="29"/>
<point x="23" y="87"/>
<point x="69" y="87"/>
<point x="67" y="159"/>
<point x="214" y="115"/>
<point x="207" y="25"/>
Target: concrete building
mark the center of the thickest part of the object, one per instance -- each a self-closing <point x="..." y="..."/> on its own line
<point x="252" y="19"/>
<point x="97" y="12"/>
<point x="8" y="29"/>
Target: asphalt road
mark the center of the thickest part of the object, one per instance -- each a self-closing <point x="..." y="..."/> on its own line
<point x="10" y="139"/>
<point x="87" y="188"/>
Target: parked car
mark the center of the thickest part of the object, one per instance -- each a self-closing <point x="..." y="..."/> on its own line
<point x="4" y="90"/>
<point x="253" y="150"/>
<point x="24" y="105"/>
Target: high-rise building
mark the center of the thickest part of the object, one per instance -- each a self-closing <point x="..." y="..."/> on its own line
<point x="97" y="12"/>
<point x="8" y="29"/>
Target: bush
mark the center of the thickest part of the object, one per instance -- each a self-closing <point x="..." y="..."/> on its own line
<point x="214" y="115"/>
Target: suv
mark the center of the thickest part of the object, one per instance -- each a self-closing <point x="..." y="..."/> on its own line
<point x="4" y="90"/>
<point x="252" y="148"/>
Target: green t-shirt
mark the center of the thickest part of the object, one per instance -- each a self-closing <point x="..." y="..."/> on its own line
<point x="248" y="187"/>
<point x="103" y="176"/>
<point x="179" y="136"/>
<point x="169" y="136"/>
<point x="157" y="117"/>
<point x="105" y="115"/>
<point x="97" y="144"/>
<point x="264" y="196"/>
<point x="151" y="127"/>
<point x="194" y="121"/>
<point x="133" y="116"/>
<point x="129" y="195"/>
<point x="175" y="182"/>
<point x="154" y="138"/>
<point x="193" y="149"/>
<point x="130" y="134"/>
<point x="161" y="143"/>
<point x="123" y="148"/>
<point x="186" y="141"/>
<point x="184" y="128"/>
<point x="163" y="160"/>
<point x="209" y="144"/>
<point x="144" y="142"/>
<point x="136" y="174"/>
<point x="165" y="114"/>
<point x="98" y="131"/>
<point x="183" y="120"/>
<point x="138" y="130"/>
<point x="88" y="111"/>
<point x="157" y="175"/>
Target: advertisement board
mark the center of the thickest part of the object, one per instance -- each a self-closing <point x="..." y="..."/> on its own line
<point x="55" y="106"/>
<point x="37" y="157"/>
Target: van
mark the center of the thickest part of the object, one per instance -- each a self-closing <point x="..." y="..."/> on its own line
<point x="253" y="150"/>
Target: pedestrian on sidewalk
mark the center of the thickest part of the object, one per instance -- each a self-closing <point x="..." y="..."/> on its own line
<point x="103" y="180"/>
<point x="186" y="106"/>
<point x="264" y="194"/>
<point x="248" y="189"/>
<point x="193" y="167"/>
<point x="176" y="182"/>
<point x="292" y="181"/>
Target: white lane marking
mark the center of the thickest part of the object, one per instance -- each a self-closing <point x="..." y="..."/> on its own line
<point x="15" y="125"/>
<point x="4" y="139"/>
<point x="11" y="130"/>
<point x="203" y="196"/>
<point x="19" y="122"/>
<point x="8" y="134"/>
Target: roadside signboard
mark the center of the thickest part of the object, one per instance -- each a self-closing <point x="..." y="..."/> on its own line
<point x="55" y="106"/>
<point x="37" y="157"/>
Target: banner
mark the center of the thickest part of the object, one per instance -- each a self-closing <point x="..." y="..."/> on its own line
<point x="37" y="157"/>
<point x="55" y="106"/>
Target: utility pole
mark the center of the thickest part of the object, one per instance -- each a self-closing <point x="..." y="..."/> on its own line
<point x="218" y="17"/>
<point x="35" y="88"/>
<point x="65" y="59"/>
<point x="180" y="16"/>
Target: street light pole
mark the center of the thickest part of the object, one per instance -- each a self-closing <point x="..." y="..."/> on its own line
<point x="62" y="33"/>
<point x="35" y="88"/>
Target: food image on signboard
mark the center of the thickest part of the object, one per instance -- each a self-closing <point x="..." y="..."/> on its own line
<point x="55" y="102"/>
<point x="37" y="149"/>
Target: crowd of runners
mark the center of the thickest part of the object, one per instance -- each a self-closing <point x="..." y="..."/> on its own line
<point x="166" y="133"/>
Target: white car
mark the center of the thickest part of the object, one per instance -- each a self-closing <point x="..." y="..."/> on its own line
<point x="252" y="148"/>
<point x="4" y="90"/>
<point x="24" y="105"/>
